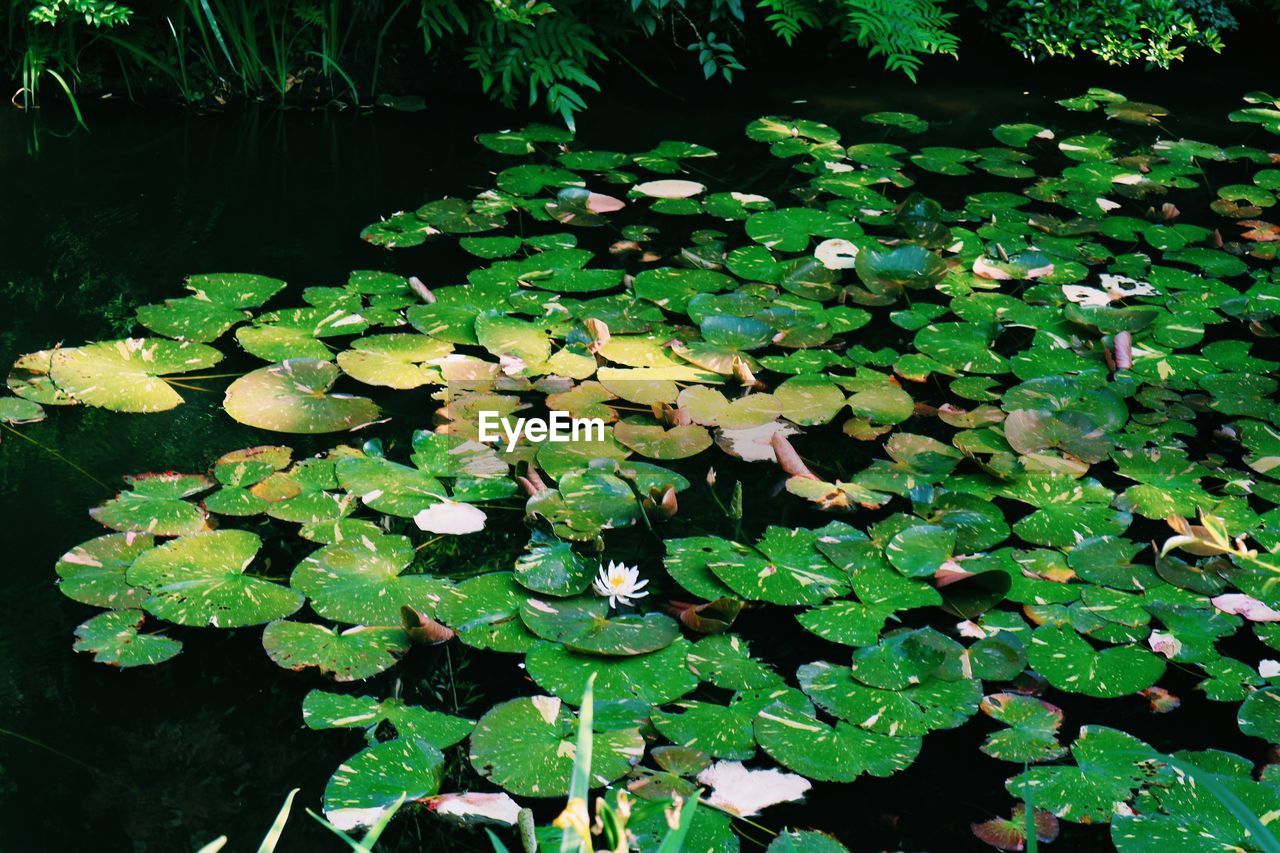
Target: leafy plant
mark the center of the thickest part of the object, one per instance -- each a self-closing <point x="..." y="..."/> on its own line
<point x="537" y="51"/>
<point x="1155" y="32"/>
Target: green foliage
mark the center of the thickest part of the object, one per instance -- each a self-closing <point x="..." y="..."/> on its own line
<point x="95" y="13"/>
<point x="899" y="30"/>
<point x="788" y="18"/>
<point x="1118" y="32"/>
<point x="545" y="52"/>
<point x="902" y="31"/>
<point x="547" y="58"/>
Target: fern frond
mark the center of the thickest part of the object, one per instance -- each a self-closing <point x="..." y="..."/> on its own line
<point x="900" y="30"/>
<point x="547" y="60"/>
<point x="788" y="17"/>
<point x="441" y="18"/>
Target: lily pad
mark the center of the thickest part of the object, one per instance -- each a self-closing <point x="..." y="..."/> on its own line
<point x="113" y="639"/>
<point x="363" y="581"/>
<point x="127" y="375"/>
<point x="94" y="571"/>
<point x="322" y="710"/>
<point x="839" y="753"/>
<point x="551" y="567"/>
<point x="202" y="580"/>
<point x="584" y="625"/>
<point x="350" y="655"/>
<point x="293" y="397"/>
<point x="653" y="678"/>
<point x="154" y="504"/>
<point x="527" y="746"/>
<point x="1071" y="663"/>
<point x="377" y="778"/>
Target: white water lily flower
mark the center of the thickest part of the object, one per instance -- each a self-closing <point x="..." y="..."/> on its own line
<point x="619" y="583"/>
<point x="451" y="517"/>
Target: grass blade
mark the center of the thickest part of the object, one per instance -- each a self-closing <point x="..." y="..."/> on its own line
<point x="272" y="837"/>
<point x="572" y="838"/>
<point x="75" y="106"/>
<point x="217" y="34"/>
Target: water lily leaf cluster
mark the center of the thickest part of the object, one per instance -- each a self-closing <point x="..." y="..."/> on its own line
<point x="970" y="386"/>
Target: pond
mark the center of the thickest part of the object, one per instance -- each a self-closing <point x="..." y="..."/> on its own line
<point x="166" y="757"/>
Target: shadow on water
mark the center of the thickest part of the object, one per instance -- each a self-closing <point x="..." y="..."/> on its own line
<point x="92" y="225"/>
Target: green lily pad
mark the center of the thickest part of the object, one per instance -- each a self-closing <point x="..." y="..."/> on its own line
<point x="202" y="580"/>
<point x="849" y="622"/>
<point x="394" y="361"/>
<point x="113" y="639"/>
<point x="321" y="710"/>
<point x="218" y="304"/>
<point x="805" y="841"/>
<point x="1032" y="733"/>
<point x="888" y="271"/>
<point x="584" y="625"/>
<point x="909" y="122"/>
<point x="653" y="678"/>
<point x="127" y="375"/>
<point x="527" y="746"/>
<point x="839" y="753"/>
<point x="375" y="779"/>
<point x="154" y="504"/>
<point x="485" y="611"/>
<point x="551" y="567"/>
<point x="16" y="410"/>
<point x="718" y="730"/>
<point x="656" y="442"/>
<point x="350" y="655"/>
<point x="787" y="570"/>
<point x="94" y="571"/>
<point x="1259" y="714"/>
<point x="362" y="581"/>
<point x="388" y="487"/>
<point x="921" y="550"/>
<point x="1070" y="663"/>
<point x="293" y="397"/>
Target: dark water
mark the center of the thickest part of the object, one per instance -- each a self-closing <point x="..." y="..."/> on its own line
<point x="92" y="225"/>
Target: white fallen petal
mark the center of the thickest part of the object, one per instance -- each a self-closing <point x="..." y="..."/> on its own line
<point x="600" y="203"/>
<point x="347" y="819"/>
<point x="451" y="517"/>
<point x="472" y="807"/>
<point x="753" y="444"/>
<point x="984" y="268"/>
<point x="1087" y="296"/>
<point x="836" y="254"/>
<point x="744" y="792"/>
<point x="1247" y="606"/>
<point x="1164" y="643"/>
<point x="1268" y="668"/>
<point x="669" y="188"/>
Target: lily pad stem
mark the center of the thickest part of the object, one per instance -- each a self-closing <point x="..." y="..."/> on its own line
<point x="47" y="449"/>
